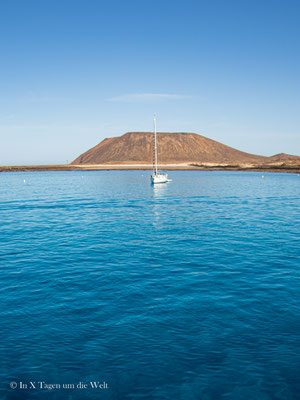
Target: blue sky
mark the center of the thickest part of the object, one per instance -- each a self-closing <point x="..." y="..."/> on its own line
<point x="75" y="72"/>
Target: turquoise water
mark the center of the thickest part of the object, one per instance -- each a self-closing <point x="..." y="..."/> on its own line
<point x="188" y="290"/>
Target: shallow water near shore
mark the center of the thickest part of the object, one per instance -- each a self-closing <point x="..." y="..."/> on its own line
<point x="188" y="290"/>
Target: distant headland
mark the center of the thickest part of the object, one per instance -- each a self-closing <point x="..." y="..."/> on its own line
<point x="181" y="151"/>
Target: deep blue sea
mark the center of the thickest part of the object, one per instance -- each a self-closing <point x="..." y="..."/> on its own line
<point x="185" y="291"/>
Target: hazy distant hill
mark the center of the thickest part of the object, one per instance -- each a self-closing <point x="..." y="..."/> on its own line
<point x="137" y="147"/>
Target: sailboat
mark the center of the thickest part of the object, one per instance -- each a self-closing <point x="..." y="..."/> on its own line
<point x="157" y="176"/>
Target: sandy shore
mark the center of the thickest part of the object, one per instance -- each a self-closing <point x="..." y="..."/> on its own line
<point x="185" y="166"/>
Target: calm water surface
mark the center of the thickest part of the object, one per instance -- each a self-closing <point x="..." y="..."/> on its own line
<point x="189" y="290"/>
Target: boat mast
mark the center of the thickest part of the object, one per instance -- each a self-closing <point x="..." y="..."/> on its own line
<point x="155" y="147"/>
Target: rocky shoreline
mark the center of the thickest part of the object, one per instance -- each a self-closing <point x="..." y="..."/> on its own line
<point x="292" y="168"/>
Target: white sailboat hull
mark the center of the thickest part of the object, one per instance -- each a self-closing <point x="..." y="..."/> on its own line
<point x="159" y="178"/>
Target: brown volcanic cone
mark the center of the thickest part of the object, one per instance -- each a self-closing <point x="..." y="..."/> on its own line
<point x="173" y="148"/>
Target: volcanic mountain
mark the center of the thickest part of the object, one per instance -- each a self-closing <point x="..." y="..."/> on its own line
<point x="173" y="148"/>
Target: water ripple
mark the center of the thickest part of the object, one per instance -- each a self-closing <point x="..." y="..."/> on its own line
<point x="185" y="291"/>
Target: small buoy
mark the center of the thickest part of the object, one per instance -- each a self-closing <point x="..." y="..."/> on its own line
<point x="262" y="176"/>
<point x="24" y="181"/>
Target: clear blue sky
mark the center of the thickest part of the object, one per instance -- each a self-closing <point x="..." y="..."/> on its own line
<point x="74" y="72"/>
